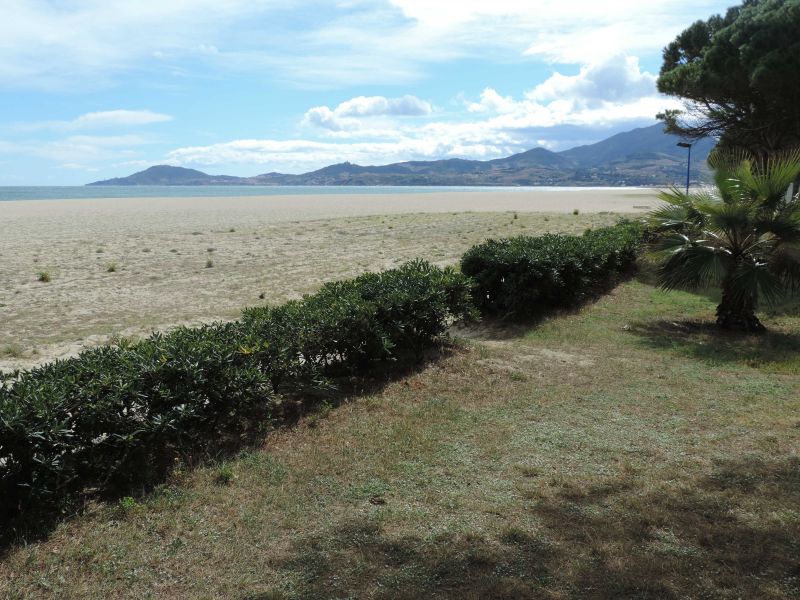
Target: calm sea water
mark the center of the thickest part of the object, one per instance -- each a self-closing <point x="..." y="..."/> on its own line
<point x="175" y="191"/>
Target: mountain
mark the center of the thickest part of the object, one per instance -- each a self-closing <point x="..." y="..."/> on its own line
<point x="168" y="175"/>
<point x="643" y="156"/>
<point x="634" y="149"/>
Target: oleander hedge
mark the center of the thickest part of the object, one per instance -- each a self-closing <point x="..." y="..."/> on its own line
<point x="115" y="417"/>
<point x="524" y="275"/>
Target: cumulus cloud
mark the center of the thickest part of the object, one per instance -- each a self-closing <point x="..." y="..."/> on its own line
<point x="529" y="125"/>
<point x="491" y="101"/>
<point x="612" y="91"/>
<point x="617" y="79"/>
<point x="370" y="106"/>
<point x="302" y="155"/>
<point x="349" y="114"/>
<point x="601" y="99"/>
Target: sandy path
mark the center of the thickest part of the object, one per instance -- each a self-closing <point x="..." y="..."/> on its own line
<point x="278" y="246"/>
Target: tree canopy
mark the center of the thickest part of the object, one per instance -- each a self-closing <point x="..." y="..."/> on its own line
<point x="739" y="75"/>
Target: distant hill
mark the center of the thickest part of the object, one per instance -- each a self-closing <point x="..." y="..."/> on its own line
<point x="643" y="156"/>
<point x="169" y="175"/>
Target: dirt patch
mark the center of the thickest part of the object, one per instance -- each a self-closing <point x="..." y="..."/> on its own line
<point x="533" y="360"/>
<point x="565" y="358"/>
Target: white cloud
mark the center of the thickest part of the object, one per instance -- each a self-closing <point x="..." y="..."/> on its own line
<point x="601" y="94"/>
<point x="80" y="44"/>
<point x="604" y="97"/>
<point x="88" y="148"/>
<point x="80" y="149"/>
<point x="79" y="167"/>
<point x="574" y="32"/>
<point x="99" y="120"/>
<point x="349" y="115"/>
<point x="491" y="101"/>
<point x="370" y="106"/>
<point x="302" y="155"/>
<point x="618" y="78"/>
<point x="75" y="44"/>
<point x="116" y="118"/>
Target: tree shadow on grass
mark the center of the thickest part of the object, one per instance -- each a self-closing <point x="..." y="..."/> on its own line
<point x="358" y="559"/>
<point x="704" y="340"/>
<point x="495" y="327"/>
<point x="786" y="306"/>
<point x="716" y="536"/>
<point x="700" y="539"/>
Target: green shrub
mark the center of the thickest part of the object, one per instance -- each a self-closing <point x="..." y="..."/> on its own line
<point x="116" y="417"/>
<point x="225" y="474"/>
<point x="127" y="505"/>
<point x="347" y="325"/>
<point x="44" y="276"/>
<point x="525" y="275"/>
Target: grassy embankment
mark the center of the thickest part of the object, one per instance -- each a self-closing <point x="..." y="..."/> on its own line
<point x="626" y="450"/>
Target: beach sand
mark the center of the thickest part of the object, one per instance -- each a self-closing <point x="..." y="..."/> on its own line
<point x="192" y="260"/>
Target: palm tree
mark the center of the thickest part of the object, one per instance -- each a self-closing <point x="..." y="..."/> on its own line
<point x="743" y="236"/>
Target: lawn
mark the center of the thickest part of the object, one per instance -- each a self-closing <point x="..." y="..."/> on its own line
<point x="626" y="450"/>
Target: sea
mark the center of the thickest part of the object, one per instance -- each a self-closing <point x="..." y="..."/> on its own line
<point x="179" y="191"/>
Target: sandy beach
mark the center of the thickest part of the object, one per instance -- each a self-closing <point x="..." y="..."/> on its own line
<point x="124" y="267"/>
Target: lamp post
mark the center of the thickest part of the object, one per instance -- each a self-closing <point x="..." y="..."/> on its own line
<point x="688" y="162"/>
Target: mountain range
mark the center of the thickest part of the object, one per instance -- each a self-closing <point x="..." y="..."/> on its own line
<point x="642" y="157"/>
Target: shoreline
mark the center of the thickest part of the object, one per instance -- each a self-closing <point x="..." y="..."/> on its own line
<point x="37" y="193"/>
<point x="295" y="207"/>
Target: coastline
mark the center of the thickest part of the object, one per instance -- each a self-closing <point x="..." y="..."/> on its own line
<point x="293" y="207"/>
<point x="86" y="192"/>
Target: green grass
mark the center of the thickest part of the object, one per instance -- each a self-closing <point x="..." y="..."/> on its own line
<point x="626" y="450"/>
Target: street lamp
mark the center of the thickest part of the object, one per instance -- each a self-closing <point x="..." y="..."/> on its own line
<point x="688" y="162"/>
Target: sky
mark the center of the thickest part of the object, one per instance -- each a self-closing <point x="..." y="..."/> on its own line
<point x="91" y="89"/>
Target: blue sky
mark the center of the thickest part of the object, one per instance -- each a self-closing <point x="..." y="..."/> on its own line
<point x="91" y="89"/>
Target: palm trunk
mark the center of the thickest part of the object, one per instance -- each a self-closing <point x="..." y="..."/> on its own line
<point x="737" y="311"/>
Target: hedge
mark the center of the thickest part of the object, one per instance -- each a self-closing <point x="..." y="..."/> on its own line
<point x="526" y="275"/>
<point x="116" y="416"/>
